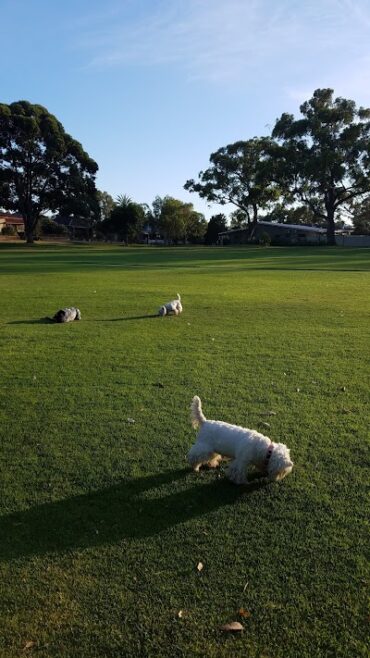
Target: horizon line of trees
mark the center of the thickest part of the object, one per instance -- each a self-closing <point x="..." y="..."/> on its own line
<point x="310" y="170"/>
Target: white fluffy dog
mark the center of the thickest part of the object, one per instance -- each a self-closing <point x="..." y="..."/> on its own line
<point x="171" y="307"/>
<point x="216" y="440"/>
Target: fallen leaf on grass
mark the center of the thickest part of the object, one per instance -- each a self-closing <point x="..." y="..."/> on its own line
<point x="273" y="606"/>
<point x="29" y="644"/>
<point x="181" y="614"/>
<point x="244" y="613"/>
<point x="131" y="420"/>
<point x="233" y="627"/>
<point x="200" y="566"/>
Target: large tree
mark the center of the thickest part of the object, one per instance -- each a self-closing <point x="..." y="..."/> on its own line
<point x="240" y="175"/>
<point x="323" y="158"/>
<point x="42" y="168"/>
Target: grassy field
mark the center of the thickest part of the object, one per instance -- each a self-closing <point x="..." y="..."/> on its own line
<point x="103" y="525"/>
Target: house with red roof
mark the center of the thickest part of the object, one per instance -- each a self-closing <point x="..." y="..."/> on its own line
<point x="11" y="219"/>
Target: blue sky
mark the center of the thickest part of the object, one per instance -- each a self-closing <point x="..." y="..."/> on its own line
<point x="152" y="87"/>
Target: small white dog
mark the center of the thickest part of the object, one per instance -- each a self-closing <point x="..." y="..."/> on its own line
<point x="216" y="440"/>
<point x="171" y="307"/>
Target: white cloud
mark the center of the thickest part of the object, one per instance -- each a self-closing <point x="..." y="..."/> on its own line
<point x="221" y="40"/>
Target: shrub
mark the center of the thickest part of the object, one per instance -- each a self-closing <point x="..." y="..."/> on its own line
<point x="9" y="230"/>
<point x="49" y="227"/>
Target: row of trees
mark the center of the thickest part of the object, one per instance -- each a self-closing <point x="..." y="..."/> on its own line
<point x="314" y="169"/>
<point x="171" y="218"/>
<point x="317" y="165"/>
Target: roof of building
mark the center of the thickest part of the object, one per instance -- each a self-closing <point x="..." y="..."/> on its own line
<point x="72" y="222"/>
<point x="10" y="218"/>
<point x="295" y="227"/>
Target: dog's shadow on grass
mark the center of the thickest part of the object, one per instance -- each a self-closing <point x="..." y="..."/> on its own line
<point x="132" y="317"/>
<point x="132" y="509"/>
<point x="45" y="320"/>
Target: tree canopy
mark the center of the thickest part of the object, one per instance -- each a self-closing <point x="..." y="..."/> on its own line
<point x="240" y="175"/>
<point x="216" y="225"/>
<point x="106" y="204"/>
<point x="323" y="158"/>
<point x="361" y="217"/>
<point x="177" y="220"/>
<point x="42" y="168"/>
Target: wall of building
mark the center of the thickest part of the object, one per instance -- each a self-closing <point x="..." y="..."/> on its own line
<point x="352" y="240"/>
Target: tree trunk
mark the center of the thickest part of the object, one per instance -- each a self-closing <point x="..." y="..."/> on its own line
<point x="330" y="214"/>
<point x="330" y="227"/>
<point x="252" y="224"/>
<point x="29" y="234"/>
<point x="29" y="228"/>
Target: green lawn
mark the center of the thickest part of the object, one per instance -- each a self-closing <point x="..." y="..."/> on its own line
<point x="103" y="525"/>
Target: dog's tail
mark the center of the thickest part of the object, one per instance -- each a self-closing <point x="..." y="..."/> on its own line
<point x="178" y="297"/>
<point x="197" y="416"/>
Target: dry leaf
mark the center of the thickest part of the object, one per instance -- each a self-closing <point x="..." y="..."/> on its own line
<point x="244" y="613"/>
<point x="29" y="644"/>
<point x="200" y="566"/>
<point x="233" y="627"/>
<point x="181" y="614"/>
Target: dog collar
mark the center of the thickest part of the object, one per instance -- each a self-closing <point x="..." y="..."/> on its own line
<point x="268" y="455"/>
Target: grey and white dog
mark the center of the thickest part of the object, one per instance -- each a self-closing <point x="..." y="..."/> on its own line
<point x="67" y="315"/>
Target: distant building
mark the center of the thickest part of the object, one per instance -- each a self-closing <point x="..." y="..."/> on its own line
<point x="11" y="219"/>
<point x="78" y="228"/>
<point x="280" y="234"/>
